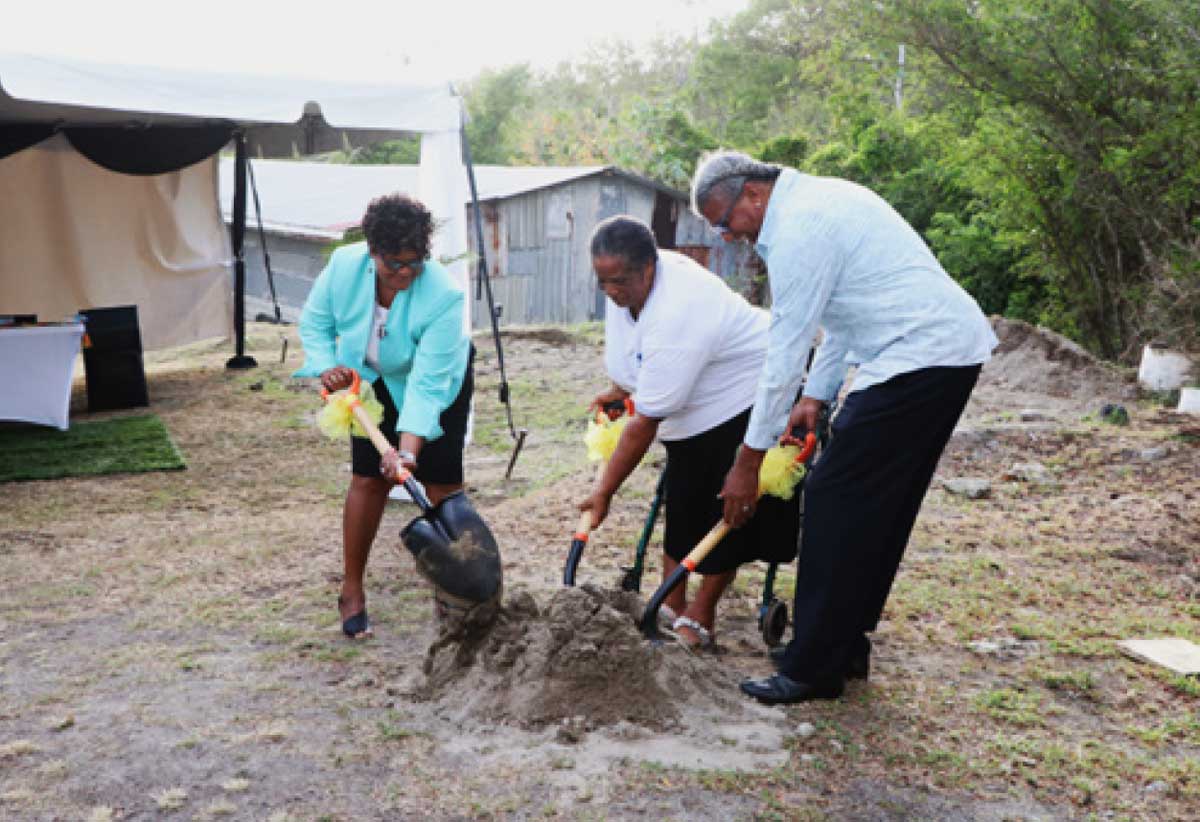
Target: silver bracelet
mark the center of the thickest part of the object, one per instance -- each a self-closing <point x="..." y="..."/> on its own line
<point x="406" y="456"/>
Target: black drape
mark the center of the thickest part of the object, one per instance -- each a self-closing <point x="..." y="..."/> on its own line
<point x="16" y="137"/>
<point x="148" y="150"/>
<point x="125" y="149"/>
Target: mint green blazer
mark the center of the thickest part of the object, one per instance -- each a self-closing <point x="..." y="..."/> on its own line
<point x="423" y="354"/>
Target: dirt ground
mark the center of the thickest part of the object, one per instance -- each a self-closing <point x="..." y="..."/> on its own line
<point x="169" y="642"/>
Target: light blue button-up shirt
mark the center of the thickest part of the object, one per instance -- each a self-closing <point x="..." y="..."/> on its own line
<point x="841" y="259"/>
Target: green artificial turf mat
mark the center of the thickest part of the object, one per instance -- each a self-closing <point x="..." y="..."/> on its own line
<point x="119" y="445"/>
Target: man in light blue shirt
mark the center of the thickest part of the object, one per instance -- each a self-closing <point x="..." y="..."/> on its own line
<point x="842" y="261"/>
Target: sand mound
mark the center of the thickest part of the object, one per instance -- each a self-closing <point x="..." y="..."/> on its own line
<point x="1038" y="361"/>
<point x="579" y="660"/>
<point x="557" y="337"/>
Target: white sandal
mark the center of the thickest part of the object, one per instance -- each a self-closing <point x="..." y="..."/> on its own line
<point x="706" y="637"/>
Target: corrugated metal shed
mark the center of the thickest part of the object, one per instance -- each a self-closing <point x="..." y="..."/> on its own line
<point x="537" y="223"/>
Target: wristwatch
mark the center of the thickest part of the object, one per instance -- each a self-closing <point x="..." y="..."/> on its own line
<point x="406" y="456"/>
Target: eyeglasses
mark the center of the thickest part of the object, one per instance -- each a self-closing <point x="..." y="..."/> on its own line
<point x="414" y="267"/>
<point x="721" y="226"/>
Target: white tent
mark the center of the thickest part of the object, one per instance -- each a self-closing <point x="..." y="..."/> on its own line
<point x="108" y="181"/>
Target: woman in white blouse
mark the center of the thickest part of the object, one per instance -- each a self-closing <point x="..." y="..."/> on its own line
<point x="689" y="350"/>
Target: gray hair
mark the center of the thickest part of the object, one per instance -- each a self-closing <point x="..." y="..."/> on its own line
<point x="625" y="237"/>
<point x="723" y="173"/>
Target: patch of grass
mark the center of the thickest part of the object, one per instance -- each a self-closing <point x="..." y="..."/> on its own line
<point x="1088" y="648"/>
<point x="1184" y="729"/>
<point x="170" y="799"/>
<point x="550" y="413"/>
<point x="390" y="728"/>
<point x="341" y="653"/>
<point x="1079" y="682"/>
<point x="1187" y="685"/>
<point x="17" y="748"/>
<point x="52" y="593"/>
<point x="1180" y="771"/>
<point x="1011" y="706"/>
<point x="119" y="445"/>
<point x="278" y="633"/>
<point x="219" y="808"/>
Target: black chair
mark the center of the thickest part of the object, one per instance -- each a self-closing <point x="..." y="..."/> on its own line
<point x="116" y="377"/>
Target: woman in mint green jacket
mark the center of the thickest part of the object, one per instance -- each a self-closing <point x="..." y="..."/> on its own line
<point x="385" y="310"/>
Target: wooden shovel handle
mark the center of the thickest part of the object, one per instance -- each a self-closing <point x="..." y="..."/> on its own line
<point x="584" y="527"/>
<point x="364" y="419"/>
<point x="704" y="547"/>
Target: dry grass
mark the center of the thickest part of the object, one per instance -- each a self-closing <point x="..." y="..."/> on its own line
<point x="184" y="622"/>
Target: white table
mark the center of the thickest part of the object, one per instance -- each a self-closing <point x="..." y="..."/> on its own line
<point x="37" y="363"/>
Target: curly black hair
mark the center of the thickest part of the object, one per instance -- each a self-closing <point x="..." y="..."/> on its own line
<point x="395" y="223"/>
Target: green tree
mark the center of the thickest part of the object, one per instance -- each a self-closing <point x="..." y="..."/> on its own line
<point x="918" y="166"/>
<point x="787" y="151"/>
<point x="1086" y="140"/>
<point x="661" y="142"/>
<point x="496" y="102"/>
<point x="390" y="152"/>
<point x="750" y="79"/>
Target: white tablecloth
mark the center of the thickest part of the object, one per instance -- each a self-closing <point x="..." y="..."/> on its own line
<point x="36" y="366"/>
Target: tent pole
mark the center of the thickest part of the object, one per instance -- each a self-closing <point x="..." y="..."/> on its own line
<point x="484" y="283"/>
<point x="237" y="236"/>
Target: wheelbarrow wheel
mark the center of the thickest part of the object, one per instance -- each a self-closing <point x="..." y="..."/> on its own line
<point x="773" y="621"/>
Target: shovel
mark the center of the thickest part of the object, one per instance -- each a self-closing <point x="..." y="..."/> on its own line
<point x="579" y="541"/>
<point x="632" y="579"/>
<point x="649" y="622"/>
<point x="583" y="530"/>
<point x="453" y="547"/>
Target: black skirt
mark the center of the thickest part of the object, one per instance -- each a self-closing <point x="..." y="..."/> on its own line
<point x="696" y="469"/>
<point x="441" y="460"/>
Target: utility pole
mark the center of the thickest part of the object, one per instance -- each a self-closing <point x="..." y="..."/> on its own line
<point x="900" y="80"/>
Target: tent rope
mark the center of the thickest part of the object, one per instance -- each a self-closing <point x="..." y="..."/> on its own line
<point x="262" y="241"/>
<point x="484" y="285"/>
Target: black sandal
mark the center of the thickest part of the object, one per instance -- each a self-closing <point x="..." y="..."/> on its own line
<point x="356" y="626"/>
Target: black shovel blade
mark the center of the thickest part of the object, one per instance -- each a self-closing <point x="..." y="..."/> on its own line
<point x="455" y="550"/>
<point x="573" y="556"/>
<point x="649" y="621"/>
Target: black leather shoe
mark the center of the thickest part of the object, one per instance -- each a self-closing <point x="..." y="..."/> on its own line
<point x="780" y="689"/>
<point x="859" y="666"/>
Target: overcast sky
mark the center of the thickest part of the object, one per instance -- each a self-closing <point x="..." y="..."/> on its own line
<point x="440" y="38"/>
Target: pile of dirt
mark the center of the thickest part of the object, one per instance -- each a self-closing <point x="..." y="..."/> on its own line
<point x="580" y="660"/>
<point x="549" y="335"/>
<point x="1036" y="360"/>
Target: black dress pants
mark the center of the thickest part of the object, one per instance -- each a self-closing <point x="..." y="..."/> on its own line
<point x="860" y="503"/>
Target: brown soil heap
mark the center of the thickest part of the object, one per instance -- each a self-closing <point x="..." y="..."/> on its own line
<point x="1035" y="359"/>
<point x="581" y="660"/>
